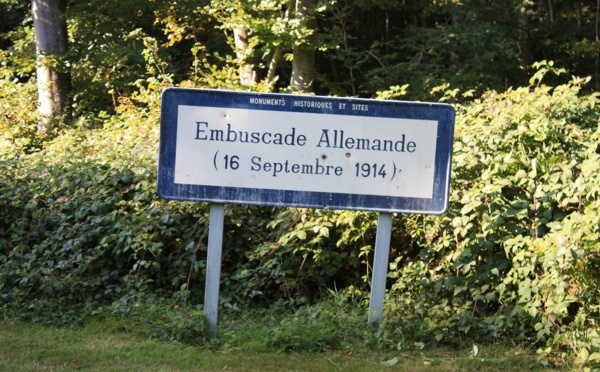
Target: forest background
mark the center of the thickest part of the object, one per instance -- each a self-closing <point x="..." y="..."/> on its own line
<point x="83" y="233"/>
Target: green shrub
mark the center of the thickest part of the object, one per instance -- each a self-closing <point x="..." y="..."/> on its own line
<point x="517" y="253"/>
<point x="18" y="115"/>
<point x="296" y="254"/>
<point x="81" y="223"/>
<point x="82" y="227"/>
<point x="83" y="230"/>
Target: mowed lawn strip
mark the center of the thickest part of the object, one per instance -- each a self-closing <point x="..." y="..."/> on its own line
<point x="33" y="347"/>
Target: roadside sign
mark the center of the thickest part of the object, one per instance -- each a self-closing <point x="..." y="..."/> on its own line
<point x="305" y="151"/>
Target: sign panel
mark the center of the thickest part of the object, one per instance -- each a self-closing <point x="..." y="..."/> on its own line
<point x="305" y="151"/>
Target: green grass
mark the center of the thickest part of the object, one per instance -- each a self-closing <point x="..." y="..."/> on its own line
<point x="118" y="346"/>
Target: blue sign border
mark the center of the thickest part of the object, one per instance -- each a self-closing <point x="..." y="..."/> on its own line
<point x="172" y="98"/>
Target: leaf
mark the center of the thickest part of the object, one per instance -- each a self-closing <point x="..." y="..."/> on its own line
<point x="521" y="174"/>
<point x="490" y="296"/>
<point x="391" y="362"/>
<point x="475" y="351"/>
<point x="584" y="354"/>
<point x="594" y="357"/>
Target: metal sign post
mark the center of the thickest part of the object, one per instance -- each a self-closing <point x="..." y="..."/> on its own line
<point x="213" y="266"/>
<point x="304" y="151"/>
<point x="380" y="267"/>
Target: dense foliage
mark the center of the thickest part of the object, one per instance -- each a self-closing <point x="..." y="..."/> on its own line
<point x="83" y="232"/>
<point x="364" y="46"/>
<point x="517" y="251"/>
<point x="516" y="255"/>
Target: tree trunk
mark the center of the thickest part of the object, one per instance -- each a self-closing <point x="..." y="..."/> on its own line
<point x="278" y="53"/>
<point x="54" y="81"/>
<point x="247" y="71"/>
<point x="551" y="11"/>
<point x="303" y="64"/>
<point x="270" y="79"/>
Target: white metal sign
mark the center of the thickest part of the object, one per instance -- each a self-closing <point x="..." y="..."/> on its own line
<point x="309" y="151"/>
<point x="305" y="152"/>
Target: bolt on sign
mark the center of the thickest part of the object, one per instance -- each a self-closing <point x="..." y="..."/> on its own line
<point x="305" y="151"/>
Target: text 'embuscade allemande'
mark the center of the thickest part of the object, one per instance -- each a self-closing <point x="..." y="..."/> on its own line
<point x="335" y="138"/>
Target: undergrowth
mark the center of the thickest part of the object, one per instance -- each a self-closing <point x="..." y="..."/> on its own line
<point x="516" y="257"/>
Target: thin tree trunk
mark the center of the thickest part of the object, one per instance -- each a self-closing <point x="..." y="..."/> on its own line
<point x="54" y="81"/>
<point x="597" y="39"/>
<point x="303" y="64"/>
<point x="303" y="69"/>
<point x="551" y="11"/>
<point x="270" y="79"/>
<point x="247" y="71"/>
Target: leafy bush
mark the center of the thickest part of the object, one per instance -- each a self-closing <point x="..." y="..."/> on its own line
<point x="517" y="252"/>
<point x="297" y="253"/>
<point x="81" y="223"/>
<point x="82" y="231"/>
<point x="82" y="227"/>
<point x="18" y="115"/>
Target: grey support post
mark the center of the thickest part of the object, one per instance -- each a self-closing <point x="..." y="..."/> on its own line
<point x="380" y="267"/>
<point x="213" y="266"/>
